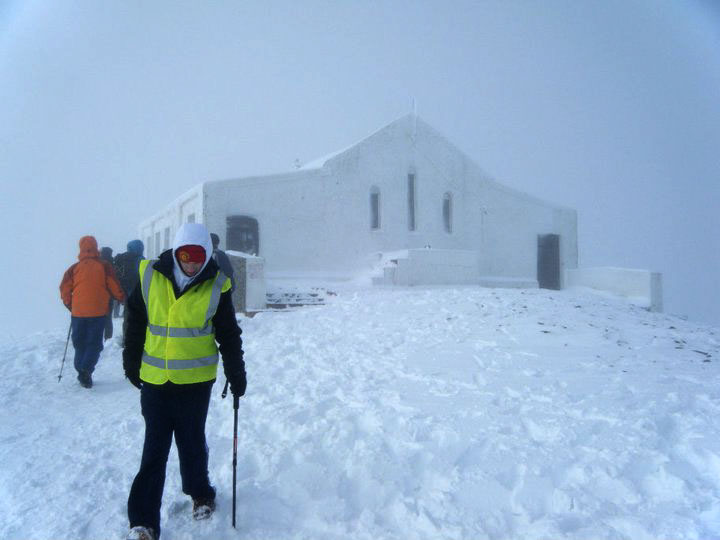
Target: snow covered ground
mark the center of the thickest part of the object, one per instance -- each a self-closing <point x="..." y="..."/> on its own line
<point x="406" y="414"/>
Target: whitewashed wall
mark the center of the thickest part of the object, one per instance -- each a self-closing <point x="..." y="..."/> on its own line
<point x="501" y="224"/>
<point x="641" y="286"/>
<point x="317" y="221"/>
<point x="436" y="267"/>
<point x="290" y="210"/>
<point x="250" y="292"/>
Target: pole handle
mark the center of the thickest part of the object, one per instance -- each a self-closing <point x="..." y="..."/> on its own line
<point x="236" y="399"/>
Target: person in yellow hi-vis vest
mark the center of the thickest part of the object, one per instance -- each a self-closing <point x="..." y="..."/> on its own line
<point x="178" y="314"/>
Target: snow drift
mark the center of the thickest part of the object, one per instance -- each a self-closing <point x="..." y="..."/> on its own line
<point x="401" y="414"/>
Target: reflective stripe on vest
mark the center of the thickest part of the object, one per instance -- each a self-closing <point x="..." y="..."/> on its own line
<point x="180" y="338"/>
<point x="180" y="364"/>
<point x="180" y="332"/>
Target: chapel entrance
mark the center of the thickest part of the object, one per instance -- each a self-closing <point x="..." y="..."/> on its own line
<point x="548" y="261"/>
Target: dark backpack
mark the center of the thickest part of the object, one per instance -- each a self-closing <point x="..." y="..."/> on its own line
<point x="126" y="269"/>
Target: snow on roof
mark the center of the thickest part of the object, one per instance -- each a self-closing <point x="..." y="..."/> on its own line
<point x="319" y="163"/>
<point x="242" y="254"/>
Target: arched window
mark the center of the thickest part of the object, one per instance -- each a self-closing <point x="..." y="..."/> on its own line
<point x="374" y="208"/>
<point x="447" y="210"/>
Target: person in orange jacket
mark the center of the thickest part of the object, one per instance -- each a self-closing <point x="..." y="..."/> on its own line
<point x="85" y="290"/>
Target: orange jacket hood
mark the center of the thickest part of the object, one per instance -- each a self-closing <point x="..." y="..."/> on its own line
<point x="88" y="248"/>
<point x="87" y="285"/>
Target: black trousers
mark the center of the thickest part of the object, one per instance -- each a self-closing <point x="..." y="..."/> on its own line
<point x="109" y="323"/>
<point x="179" y="410"/>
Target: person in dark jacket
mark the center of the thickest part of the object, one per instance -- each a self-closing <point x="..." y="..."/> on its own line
<point x="126" y="267"/>
<point x="85" y="290"/>
<point x="107" y="256"/>
<point x="127" y="264"/>
<point x="179" y="312"/>
<point x="223" y="261"/>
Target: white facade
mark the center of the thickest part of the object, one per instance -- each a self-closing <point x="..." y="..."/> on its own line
<point x="332" y="218"/>
<point x="640" y="286"/>
<point x="431" y="267"/>
<point x="250" y="292"/>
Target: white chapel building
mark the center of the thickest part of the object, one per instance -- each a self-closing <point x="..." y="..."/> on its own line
<point x="404" y="197"/>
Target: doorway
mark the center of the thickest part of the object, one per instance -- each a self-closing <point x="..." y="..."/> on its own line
<point x="548" y="261"/>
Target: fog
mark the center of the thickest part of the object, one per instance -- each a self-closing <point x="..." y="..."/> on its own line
<point x="109" y="110"/>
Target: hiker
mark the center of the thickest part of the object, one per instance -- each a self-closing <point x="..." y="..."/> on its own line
<point x="106" y="255"/>
<point x="223" y="261"/>
<point x="177" y="312"/>
<point x="126" y="267"/>
<point x="85" y="290"/>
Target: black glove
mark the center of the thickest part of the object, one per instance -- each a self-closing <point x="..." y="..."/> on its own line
<point x="238" y="383"/>
<point x="132" y="370"/>
<point x="134" y="379"/>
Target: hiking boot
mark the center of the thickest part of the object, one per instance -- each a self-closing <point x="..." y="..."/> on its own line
<point x="203" y="508"/>
<point x="141" y="533"/>
<point x="85" y="379"/>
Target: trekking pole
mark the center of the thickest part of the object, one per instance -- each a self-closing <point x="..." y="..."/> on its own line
<point x="236" y="406"/>
<point x="62" y="365"/>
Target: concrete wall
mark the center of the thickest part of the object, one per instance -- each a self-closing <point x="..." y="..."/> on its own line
<point x="290" y="210"/>
<point x="501" y="225"/>
<point x="317" y="220"/>
<point x="432" y="267"/>
<point x="641" y="286"/>
<point x="250" y="292"/>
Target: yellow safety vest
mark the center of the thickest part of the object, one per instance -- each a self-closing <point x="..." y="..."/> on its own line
<point x="180" y="338"/>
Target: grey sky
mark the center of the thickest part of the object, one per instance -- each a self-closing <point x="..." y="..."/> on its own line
<point x="109" y="110"/>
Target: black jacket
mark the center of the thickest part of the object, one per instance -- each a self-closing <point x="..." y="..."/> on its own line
<point x="227" y="331"/>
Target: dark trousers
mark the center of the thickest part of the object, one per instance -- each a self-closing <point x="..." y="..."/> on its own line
<point x="109" y="321"/>
<point x="87" y="338"/>
<point x="171" y="409"/>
